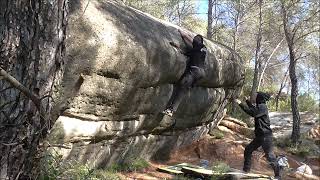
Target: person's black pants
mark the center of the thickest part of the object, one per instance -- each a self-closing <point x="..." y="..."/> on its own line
<point x="187" y="80"/>
<point x="267" y="146"/>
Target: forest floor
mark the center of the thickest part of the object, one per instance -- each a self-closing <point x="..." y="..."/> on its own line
<point x="229" y="150"/>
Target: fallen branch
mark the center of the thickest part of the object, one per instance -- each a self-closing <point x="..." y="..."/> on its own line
<point x="234" y="120"/>
<point x="15" y="83"/>
<point x="59" y="146"/>
<point x="237" y="128"/>
<point x="225" y="129"/>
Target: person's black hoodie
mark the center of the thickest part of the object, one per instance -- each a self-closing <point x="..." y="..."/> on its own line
<point x="260" y="114"/>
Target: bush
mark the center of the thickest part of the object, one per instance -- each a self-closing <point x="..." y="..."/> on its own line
<point x="53" y="167"/>
<point x="79" y="172"/>
<point x="283" y="142"/>
<point x="306" y="102"/>
<point x="135" y="164"/>
<point x="103" y="174"/>
<point x="304" y="148"/>
<point x="284" y="105"/>
<point x="219" y="168"/>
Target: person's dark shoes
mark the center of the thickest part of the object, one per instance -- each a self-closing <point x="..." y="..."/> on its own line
<point x="277" y="171"/>
<point x="277" y="178"/>
<point x="246" y="170"/>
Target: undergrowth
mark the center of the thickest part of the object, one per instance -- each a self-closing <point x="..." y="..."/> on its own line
<point x="54" y="167"/>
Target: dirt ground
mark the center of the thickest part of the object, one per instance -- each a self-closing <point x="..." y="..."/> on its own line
<point x="229" y="150"/>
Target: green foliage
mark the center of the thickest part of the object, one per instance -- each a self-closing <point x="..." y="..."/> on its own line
<point x="219" y="168"/>
<point x="155" y="8"/>
<point x="217" y="134"/>
<point x="271" y="89"/>
<point x="53" y="167"/>
<point x="103" y="174"/>
<point x="284" y="105"/>
<point x="307" y="103"/>
<point x="247" y="83"/>
<point x="78" y="171"/>
<point x="283" y="142"/>
<point x="300" y="151"/>
<point x="182" y="13"/>
<point x="305" y="148"/>
<point x="134" y="164"/>
<point x="196" y="25"/>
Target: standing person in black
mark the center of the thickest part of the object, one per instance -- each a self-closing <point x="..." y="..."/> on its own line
<point x="263" y="132"/>
<point x="196" y="53"/>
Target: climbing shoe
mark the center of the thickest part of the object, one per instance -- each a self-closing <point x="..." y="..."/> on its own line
<point x="168" y="112"/>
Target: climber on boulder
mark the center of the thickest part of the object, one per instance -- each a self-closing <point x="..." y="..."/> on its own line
<point x="263" y="132"/>
<point x="196" y="53"/>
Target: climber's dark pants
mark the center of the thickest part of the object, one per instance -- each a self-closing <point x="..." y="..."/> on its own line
<point x="187" y="80"/>
<point x="266" y="143"/>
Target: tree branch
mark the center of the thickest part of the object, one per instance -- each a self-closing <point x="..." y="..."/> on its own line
<point x="5" y="89"/>
<point x="267" y="62"/>
<point x="301" y="57"/>
<point x="278" y="64"/>
<point x="302" y="21"/>
<point x="5" y="104"/>
<point x="15" y="83"/>
<point x="311" y="16"/>
<point x="306" y="34"/>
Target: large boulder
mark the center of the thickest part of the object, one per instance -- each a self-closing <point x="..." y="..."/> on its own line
<point x="120" y="74"/>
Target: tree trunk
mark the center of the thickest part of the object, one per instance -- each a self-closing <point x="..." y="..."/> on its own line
<point x="210" y="19"/>
<point x="216" y="29"/>
<point x="32" y="47"/>
<point x="234" y="44"/>
<point x="254" y="87"/>
<point x="257" y="66"/>
<point x="295" y="136"/>
<point x="283" y="83"/>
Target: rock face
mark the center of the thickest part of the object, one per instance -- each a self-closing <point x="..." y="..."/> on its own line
<point x="120" y="74"/>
